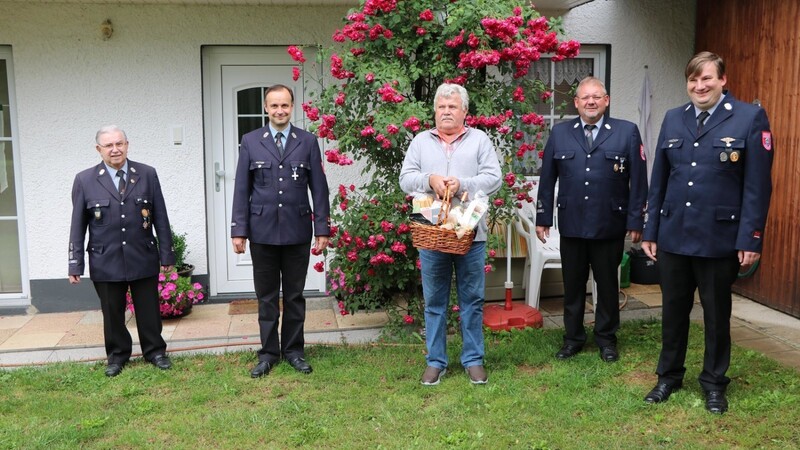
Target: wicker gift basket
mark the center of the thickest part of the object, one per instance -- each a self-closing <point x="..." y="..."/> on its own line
<point x="428" y="236"/>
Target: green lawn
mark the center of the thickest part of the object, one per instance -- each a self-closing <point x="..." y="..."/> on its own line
<point x="370" y="397"/>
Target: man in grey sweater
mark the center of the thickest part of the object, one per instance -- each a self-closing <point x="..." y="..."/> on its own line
<point x="457" y="159"/>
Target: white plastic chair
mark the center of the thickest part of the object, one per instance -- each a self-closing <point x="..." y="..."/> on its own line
<point x="541" y="256"/>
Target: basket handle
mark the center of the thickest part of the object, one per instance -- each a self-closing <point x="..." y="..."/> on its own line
<point x="444" y="211"/>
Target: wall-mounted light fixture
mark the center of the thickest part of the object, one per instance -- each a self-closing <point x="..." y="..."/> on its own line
<point x="106" y="29"/>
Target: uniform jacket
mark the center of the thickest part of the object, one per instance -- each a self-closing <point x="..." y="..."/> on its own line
<point x="121" y="243"/>
<point x="602" y="190"/>
<point x="709" y="194"/>
<point x="270" y="197"/>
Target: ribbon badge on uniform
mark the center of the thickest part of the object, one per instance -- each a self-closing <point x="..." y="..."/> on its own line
<point x="766" y="140"/>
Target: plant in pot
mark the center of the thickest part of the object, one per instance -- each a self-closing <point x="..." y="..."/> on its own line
<point x="179" y="247"/>
<point x="176" y="291"/>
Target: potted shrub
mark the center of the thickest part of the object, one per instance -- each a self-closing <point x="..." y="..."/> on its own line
<point x="179" y="247"/>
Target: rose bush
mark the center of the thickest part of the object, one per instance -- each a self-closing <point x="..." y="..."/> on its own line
<point x="386" y="63"/>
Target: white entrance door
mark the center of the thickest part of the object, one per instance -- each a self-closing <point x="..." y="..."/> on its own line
<point x="234" y="82"/>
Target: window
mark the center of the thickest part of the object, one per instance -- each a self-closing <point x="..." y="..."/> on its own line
<point x="561" y="78"/>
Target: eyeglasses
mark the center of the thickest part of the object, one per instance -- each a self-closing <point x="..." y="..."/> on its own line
<point x="109" y="146"/>
<point x="596" y="98"/>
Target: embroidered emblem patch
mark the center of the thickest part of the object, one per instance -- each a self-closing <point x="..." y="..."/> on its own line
<point x="757" y="234"/>
<point x="766" y="140"/>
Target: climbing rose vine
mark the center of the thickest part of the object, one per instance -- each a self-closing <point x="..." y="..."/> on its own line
<point x="385" y="64"/>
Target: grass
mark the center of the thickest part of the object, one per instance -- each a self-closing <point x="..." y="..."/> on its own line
<point x="370" y="397"/>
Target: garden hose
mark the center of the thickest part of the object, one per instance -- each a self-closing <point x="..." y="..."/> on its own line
<point x="749" y="272"/>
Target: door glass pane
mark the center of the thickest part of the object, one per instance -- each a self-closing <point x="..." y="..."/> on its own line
<point x="251" y="113"/>
<point x="8" y="191"/>
<point x="10" y="267"/>
<point x="249" y="101"/>
<point x="10" y="274"/>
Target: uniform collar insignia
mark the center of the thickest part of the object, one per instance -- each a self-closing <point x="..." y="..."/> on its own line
<point x="266" y="134"/>
<point x="102" y="171"/>
<point x="607" y="126"/>
<point x="133" y="169"/>
<point x="687" y="107"/>
<point x="294" y="136"/>
<point x="728" y="106"/>
<point x="727" y="140"/>
<point x="576" y="125"/>
<point x="674" y="140"/>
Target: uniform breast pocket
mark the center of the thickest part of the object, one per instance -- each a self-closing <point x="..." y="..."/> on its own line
<point x="300" y="171"/>
<point x="99" y="212"/>
<point x="616" y="165"/>
<point x="729" y="152"/>
<point x="565" y="161"/>
<point x="673" y="148"/>
<point x="261" y="172"/>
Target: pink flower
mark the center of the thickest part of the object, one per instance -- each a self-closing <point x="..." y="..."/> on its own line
<point x="173" y="276"/>
<point x="546" y="96"/>
<point x="401" y="52"/>
<point x="392" y="129"/>
<point x="295" y="73"/>
<point x="492" y="253"/>
<point x="421" y="31"/>
<point x="499" y="202"/>
<point x="370" y="77"/>
<point x="426" y="15"/>
<point x="399" y="247"/>
<point x="487" y="268"/>
<point x="162" y="276"/>
<point x="339" y="98"/>
<point x="455" y="308"/>
<point x="412" y="124"/>
<point x="408" y="319"/>
<point x="319" y="266"/>
<point x="296" y="54"/>
<point x="519" y="94"/>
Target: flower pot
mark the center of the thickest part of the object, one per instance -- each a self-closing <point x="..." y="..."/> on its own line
<point x="185" y="271"/>
<point x="178" y="314"/>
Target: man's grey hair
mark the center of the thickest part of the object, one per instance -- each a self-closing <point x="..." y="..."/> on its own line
<point x="450" y="89"/>
<point x="109" y="129"/>
<point x="592" y="80"/>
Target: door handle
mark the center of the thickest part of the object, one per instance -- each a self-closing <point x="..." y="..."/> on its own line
<point x="218" y="175"/>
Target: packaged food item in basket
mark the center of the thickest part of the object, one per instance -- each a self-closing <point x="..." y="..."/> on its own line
<point x="473" y="213"/>
<point x="421" y="200"/>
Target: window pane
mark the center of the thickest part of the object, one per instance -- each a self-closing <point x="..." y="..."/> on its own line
<point x="8" y="191"/>
<point x="5" y="116"/>
<point x="250" y="101"/>
<point x="248" y="124"/>
<point x="10" y="274"/>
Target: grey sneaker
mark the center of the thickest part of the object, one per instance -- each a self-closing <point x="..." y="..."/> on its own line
<point x="432" y="376"/>
<point x="477" y="374"/>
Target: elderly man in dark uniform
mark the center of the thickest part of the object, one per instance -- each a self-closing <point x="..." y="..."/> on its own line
<point x="121" y="204"/>
<point x="278" y="165"/>
<point x="600" y="165"/>
<point x="708" y="203"/>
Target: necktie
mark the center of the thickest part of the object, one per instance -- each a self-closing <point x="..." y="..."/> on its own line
<point x="278" y="141"/>
<point x="121" y="185"/>
<point x="701" y="119"/>
<point x="588" y="131"/>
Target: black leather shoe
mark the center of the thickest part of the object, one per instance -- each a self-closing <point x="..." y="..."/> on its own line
<point x="716" y="403"/>
<point x="161" y="361"/>
<point x="609" y="353"/>
<point x="261" y="369"/>
<point x="300" y="365"/>
<point x="661" y="392"/>
<point x="113" y="370"/>
<point x="568" y="351"/>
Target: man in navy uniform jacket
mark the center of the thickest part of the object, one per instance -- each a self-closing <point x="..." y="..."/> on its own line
<point x="600" y="165"/>
<point x="278" y="165"/>
<point x="121" y="204"/>
<point x="708" y="202"/>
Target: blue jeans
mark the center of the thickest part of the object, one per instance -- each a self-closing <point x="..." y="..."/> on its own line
<point x="437" y="274"/>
